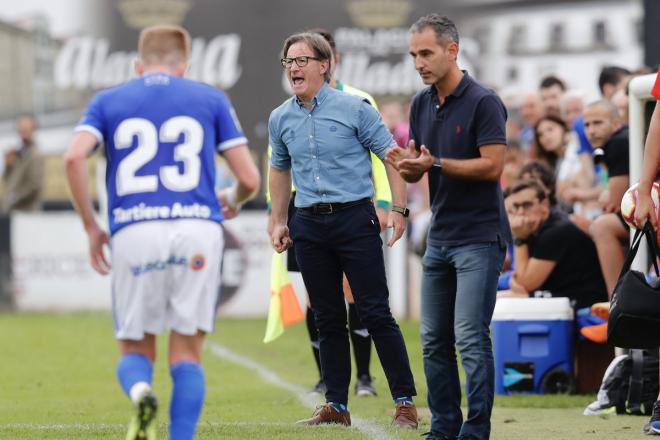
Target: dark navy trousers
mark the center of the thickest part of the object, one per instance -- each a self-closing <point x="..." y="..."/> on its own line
<point x="348" y="241"/>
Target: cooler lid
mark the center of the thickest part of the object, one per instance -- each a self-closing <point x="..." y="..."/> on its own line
<point x="533" y="309"/>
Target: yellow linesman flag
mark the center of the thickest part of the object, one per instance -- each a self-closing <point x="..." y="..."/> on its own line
<point x="284" y="308"/>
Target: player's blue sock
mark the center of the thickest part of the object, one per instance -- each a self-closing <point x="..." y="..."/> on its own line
<point x="187" y="399"/>
<point x="133" y="368"/>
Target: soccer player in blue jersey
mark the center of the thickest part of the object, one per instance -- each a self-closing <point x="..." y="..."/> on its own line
<point x="161" y="133"/>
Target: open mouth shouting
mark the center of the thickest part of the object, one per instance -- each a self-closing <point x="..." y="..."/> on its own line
<point x="297" y="80"/>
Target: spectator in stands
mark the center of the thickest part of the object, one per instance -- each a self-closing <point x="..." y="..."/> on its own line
<point x="610" y="233"/>
<point x="620" y="101"/>
<point x="553" y="146"/>
<point x="531" y="110"/>
<point x="571" y="106"/>
<point x="24" y="171"/>
<point x="551" y="91"/>
<point x="544" y="174"/>
<point x="553" y="257"/>
<point x="611" y="79"/>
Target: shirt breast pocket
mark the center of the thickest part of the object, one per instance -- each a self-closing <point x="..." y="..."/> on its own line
<point x="341" y="131"/>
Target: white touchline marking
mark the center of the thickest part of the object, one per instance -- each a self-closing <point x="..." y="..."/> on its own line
<point x="375" y="431"/>
<point x="122" y="426"/>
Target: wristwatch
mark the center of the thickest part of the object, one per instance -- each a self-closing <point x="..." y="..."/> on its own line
<point x="437" y="164"/>
<point x="520" y="241"/>
<point x="401" y="210"/>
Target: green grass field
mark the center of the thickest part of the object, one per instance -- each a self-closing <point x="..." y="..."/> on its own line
<point x="57" y="381"/>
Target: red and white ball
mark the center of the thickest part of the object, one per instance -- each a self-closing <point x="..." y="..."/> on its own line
<point x="629" y="202"/>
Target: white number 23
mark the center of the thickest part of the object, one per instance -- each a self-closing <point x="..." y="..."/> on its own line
<point x="148" y="138"/>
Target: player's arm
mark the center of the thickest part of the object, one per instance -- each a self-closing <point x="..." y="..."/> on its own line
<point x="75" y="161"/>
<point x="645" y="208"/>
<point x="247" y="176"/>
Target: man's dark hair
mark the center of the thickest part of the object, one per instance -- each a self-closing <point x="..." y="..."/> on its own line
<point x="445" y="29"/>
<point x="524" y="184"/>
<point x="327" y="35"/>
<point x="317" y="43"/>
<point x="611" y="75"/>
<point x="550" y="81"/>
<point x="536" y="169"/>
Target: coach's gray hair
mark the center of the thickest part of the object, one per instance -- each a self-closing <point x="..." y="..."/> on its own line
<point x="445" y="29"/>
<point x="607" y="105"/>
<point x="319" y="45"/>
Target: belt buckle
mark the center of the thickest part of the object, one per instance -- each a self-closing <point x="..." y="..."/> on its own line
<point x="324" y="208"/>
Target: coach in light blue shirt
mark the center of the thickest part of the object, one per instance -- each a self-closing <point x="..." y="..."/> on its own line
<point x="327" y="146"/>
<point x="322" y="137"/>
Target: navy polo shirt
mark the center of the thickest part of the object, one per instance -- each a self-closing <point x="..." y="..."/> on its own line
<point x="464" y="211"/>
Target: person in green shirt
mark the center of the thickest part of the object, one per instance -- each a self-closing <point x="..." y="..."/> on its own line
<point x="359" y="335"/>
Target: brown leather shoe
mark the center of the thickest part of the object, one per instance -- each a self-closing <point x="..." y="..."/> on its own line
<point x="327" y="414"/>
<point x="405" y="416"/>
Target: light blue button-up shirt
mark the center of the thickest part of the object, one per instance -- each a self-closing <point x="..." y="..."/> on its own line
<point x="327" y="147"/>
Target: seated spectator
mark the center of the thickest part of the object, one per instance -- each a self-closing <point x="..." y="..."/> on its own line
<point x="543" y="173"/>
<point x="553" y="146"/>
<point x="609" y="231"/>
<point x="553" y="257"/>
<point x="24" y="171"/>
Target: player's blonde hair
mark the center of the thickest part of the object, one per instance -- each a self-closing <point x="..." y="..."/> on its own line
<point x="164" y="44"/>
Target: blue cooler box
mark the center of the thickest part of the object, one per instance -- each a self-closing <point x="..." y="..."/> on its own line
<point x="533" y="345"/>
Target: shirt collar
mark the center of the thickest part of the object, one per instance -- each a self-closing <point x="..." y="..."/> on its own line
<point x="460" y="88"/>
<point x="323" y="93"/>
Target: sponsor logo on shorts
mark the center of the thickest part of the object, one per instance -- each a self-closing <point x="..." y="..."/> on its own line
<point x="197" y="262"/>
<point x="160" y="265"/>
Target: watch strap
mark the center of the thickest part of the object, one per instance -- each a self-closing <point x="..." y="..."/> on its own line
<point x="401" y="210"/>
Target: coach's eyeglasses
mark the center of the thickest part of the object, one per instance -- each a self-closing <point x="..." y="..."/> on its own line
<point x="300" y="61"/>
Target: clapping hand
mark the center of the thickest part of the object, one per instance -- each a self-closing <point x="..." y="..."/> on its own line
<point x="410" y="162"/>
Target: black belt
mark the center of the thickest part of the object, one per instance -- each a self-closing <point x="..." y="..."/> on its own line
<point x="329" y="208"/>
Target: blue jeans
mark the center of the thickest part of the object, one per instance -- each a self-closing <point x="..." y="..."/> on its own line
<point x="459" y="287"/>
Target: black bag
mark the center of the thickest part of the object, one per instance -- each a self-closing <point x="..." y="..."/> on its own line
<point x="634" y="320"/>
<point x="630" y="385"/>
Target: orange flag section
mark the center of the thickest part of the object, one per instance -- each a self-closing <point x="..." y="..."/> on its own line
<point x="284" y="308"/>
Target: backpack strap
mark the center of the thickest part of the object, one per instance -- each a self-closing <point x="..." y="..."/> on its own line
<point x="636" y="382"/>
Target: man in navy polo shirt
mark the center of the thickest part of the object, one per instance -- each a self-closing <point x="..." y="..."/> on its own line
<point x="459" y="128"/>
<point x="322" y="138"/>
